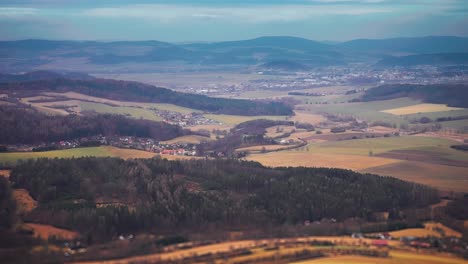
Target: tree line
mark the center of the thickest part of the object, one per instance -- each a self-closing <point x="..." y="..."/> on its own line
<point x="145" y="195"/>
<point x="24" y="125"/>
<point x="138" y="92"/>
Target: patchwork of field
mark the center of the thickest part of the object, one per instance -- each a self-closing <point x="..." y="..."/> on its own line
<point x="406" y="109"/>
<point x="181" y="80"/>
<point x="71" y="102"/>
<point x="425" y="160"/>
<point x="420" y="108"/>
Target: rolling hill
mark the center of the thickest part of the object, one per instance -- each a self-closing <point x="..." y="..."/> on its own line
<point x="25" y="55"/>
<point x="139" y="92"/>
<point x="426" y="59"/>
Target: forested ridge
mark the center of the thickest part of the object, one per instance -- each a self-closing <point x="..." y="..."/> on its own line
<point x="25" y="125"/>
<point x="451" y="94"/>
<point x="139" y="92"/>
<point x="157" y="193"/>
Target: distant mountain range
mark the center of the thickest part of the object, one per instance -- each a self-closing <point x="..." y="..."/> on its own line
<point x="28" y="54"/>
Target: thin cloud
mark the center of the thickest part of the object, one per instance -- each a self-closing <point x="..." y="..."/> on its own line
<point x="16" y="11"/>
<point x="251" y="14"/>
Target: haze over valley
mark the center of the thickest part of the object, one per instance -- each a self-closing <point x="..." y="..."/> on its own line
<point x="271" y="132"/>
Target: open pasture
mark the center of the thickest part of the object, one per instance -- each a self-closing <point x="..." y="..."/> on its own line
<point x="103" y="151"/>
<point x="304" y="117"/>
<point x="192" y="139"/>
<point x="87" y="98"/>
<point x="235" y="119"/>
<point x="262" y="147"/>
<point x="429" y="230"/>
<point x="443" y="177"/>
<point x="308" y="159"/>
<point x="379" y="145"/>
<point x="420" y="108"/>
<point x="181" y="80"/>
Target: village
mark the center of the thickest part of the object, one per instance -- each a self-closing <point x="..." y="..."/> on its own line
<point x="125" y="142"/>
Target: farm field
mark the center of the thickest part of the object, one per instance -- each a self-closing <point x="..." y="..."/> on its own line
<point x="420" y="108"/>
<point x="426" y="160"/>
<point x="78" y="102"/>
<point x="261" y="147"/>
<point x="308" y="159"/>
<point x="396" y="257"/>
<point x="234" y="119"/>
<point x="181" y="80"/>
<point x="430" y="229"/>
<point x="448" y="178"/>
<point x="191" y="139"/>
<point x="377" y="111"/>
<point x="383" y="144"/>
<point x="304" y="117"/>
<point x="121" y="110"/>
<point x="103" y="151"/>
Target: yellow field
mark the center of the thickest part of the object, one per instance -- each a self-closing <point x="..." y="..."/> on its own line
<point x="234" y="119"/>
<point x="430" y="229"/>
<point x="304" y="117"/>
<point x="308" y="159"/>
<point x="420" y="108"/>
<point x="448" y="178"/>
<point x="192" y="139"/>
<point x="129" y="153"/>
<point x="396" y="257"/>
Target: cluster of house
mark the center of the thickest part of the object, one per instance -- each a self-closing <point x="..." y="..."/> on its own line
<point x="184" y="120"/>
<point x="145" y="144"/>
<point x="449" y="244"/>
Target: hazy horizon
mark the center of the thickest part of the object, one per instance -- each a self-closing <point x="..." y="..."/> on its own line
<point x="213" y="21"/>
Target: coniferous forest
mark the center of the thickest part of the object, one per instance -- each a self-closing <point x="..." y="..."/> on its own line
<point x="174" y="195"/>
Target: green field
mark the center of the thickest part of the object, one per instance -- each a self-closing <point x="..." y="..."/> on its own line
<point x="121" y="110"/>
<point x="234" y="119"/>
<point x="381" y="145"/>
<point x="103" y="151"/>
<point x="368" y="111"/>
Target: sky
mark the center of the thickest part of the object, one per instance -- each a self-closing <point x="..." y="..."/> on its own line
<point x="217" y="20"/>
